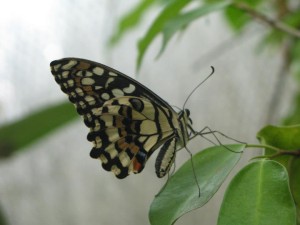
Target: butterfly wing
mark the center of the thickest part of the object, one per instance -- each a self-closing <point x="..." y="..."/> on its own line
<point x="127" y="121"/>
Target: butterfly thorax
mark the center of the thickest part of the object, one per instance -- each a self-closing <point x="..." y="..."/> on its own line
<point x="185" y="123"/>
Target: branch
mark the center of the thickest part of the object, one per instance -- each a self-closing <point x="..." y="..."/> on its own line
<point x="271" y="22"/>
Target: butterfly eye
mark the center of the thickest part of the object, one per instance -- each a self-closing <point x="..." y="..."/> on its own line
<point x="187" y="111"/>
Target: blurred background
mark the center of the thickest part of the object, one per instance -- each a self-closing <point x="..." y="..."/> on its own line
<point x="49" y="178"/>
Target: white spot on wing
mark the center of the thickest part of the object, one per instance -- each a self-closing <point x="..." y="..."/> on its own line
<point x="56" y="67"/>
<point x="98" y="142"/>
<point x="117" y="92"/>
<point x="115" y="170"/>
<point x="79" y="91"/>
<point x="87" y="81"/>
<point x="97" y="125"/>
<point x="113" y="74"/>
<point x="91" y="100"/>
<point x="109" y="80"/>
<point x="88" y="117"/>
<point x="79" y="73"/>
<point x="98" y="71"/>
<point x="112" y="151"/>
<point x="142" y="139"/>
<point x="88" y="74"/>
<point x="70" y="83"/>
<point x="69" y="65"/>
<point x="73" y="94"/>
<point x="65" y="74"/>
<point x="82" y="104"/>
<point x="103" y="159"/>
<point x="129" y="89"/>
<point x="105" y="96"/>
<point x="96" y="112"/>
<point x="124" y="159"/>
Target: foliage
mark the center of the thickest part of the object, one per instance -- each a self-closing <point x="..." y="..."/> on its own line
<point x="13" y="138"/>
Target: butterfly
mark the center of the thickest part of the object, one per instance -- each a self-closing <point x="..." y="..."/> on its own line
<point x="127" y="121"/>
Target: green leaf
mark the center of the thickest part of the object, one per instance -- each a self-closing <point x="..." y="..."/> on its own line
<point x="171" y="10"/>
<point x="183" y="20"/>
<point x="276" y="38"/>
<point x="284" y="137"/>
<point x="18" y="135"/>
<point x="3" y="220"/>
<point x="259" y="195"/>
<point x="295" y="183"/>
<point x="294" y="115"/>
<point x="181" y="194"/>
<point x="236" y="18"/>
<point x="131" y="20"/>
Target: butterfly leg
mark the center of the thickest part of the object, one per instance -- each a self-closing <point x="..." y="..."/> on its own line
<point x="207" y="130"/>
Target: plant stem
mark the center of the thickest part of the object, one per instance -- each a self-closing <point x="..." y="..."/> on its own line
<point x="271" y="22"/>
<point x="262" y="146"/>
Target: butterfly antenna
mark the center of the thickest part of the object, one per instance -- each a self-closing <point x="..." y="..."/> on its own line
<point x="212" y="72"/>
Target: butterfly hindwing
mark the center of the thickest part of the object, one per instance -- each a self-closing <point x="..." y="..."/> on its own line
<point x="129" y="135"/>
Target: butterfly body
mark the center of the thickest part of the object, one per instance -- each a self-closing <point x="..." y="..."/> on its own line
<point x="127" y="121"/>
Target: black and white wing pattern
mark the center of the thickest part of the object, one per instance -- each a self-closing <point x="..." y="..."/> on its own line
<point x="127" y="121"/>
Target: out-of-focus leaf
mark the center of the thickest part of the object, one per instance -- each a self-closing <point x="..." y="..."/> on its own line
<point x="131" y="20"/>
<point x="238" y="18"/>
<point x="17" y="135"/>
<point x="284" y="137"/>
<point x="259" y="194"/>
<point x="294" y="115"/>
<point x="295" y="183"/>
<point x="294" y="111"/>
<point x="170" y="11"/>
<point x="183" y="20"/>
<point x="2" y="218"/>
<point x="275" y="38"/>
<point x="292" y="18"/>
<point x="181" y="193"/>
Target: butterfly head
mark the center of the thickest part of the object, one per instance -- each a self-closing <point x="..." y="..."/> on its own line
<point x="184" y="116"/>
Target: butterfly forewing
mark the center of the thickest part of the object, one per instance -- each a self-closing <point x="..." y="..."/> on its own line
<point x="127" y="121"/>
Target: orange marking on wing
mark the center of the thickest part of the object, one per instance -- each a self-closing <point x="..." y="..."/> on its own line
<point x="134" y="148"/>
<point x="123" y="144"/>
<point x="83" y="65"/>
<point x="136" y="166"/>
